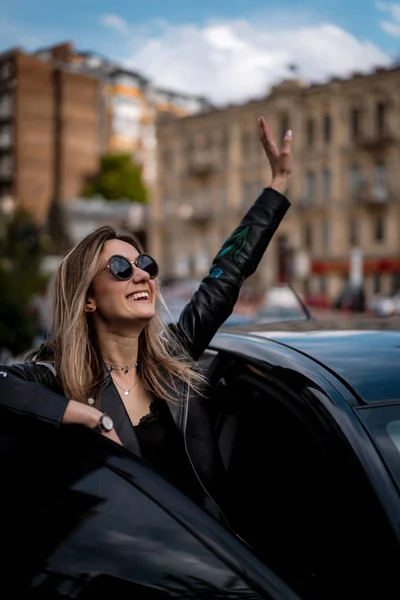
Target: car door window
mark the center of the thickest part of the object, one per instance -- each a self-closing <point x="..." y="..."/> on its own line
<point x="86" y="519"/>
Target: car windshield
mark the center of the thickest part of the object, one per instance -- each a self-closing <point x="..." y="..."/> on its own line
<point x="383" y="424"/>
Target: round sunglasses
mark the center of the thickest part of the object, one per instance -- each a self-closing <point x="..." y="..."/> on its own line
<point x="122" y="268"/>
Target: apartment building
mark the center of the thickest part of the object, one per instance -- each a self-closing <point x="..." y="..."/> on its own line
<point x="48" y="131"/>
<point x="344" y="222"/>
<point x="129" y="106"/>
<point x="61" y="109"/>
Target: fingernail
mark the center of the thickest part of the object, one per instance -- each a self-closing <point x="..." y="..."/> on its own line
<point x="289" y="133"/>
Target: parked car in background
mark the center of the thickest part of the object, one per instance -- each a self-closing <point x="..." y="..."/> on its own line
<point x="282" y="303"/>
<point x="383" y="306"/>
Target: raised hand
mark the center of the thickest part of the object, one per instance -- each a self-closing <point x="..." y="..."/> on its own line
<point x="280" y="159"/>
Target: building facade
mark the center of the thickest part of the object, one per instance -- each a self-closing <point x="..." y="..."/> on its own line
<point x="344" y="223"/>
<point x="129" y="106"/>
<point x="48" y="131"/>
<point x="61" y="109"/>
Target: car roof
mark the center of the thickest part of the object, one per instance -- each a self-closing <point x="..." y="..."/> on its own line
<point x="363" y="351"/>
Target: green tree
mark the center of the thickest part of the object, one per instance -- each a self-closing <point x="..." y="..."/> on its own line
<point x="118" y="178"/>
<point x="21" y="249"/>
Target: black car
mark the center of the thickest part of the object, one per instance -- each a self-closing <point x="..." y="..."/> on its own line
<point x="308" y="423"/>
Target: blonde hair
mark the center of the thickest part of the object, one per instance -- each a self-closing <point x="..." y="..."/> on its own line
<point x="164" y="364"/>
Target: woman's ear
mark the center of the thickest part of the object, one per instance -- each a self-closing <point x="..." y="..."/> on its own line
<point x="90" y="305"/>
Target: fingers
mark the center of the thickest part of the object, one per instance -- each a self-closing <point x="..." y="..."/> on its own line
<point x="266" y="139"/>
<point x="287" y="143"/>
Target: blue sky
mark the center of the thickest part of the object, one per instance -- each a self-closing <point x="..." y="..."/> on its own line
<point x="226" y="49"/>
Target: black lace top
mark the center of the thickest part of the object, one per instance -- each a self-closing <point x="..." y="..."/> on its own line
<point x="162" y="445"/>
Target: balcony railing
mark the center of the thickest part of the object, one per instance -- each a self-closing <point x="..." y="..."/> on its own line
<point x="195" y="215"/>
<point x="373" y="195"/>
<point x="201" y="164"/>
<point x="372" y="142"/>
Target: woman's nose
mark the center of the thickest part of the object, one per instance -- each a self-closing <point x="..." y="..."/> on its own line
<point x="139" y="275"/>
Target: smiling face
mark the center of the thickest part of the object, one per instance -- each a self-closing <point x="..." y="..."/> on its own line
<point x="114" y="302"/>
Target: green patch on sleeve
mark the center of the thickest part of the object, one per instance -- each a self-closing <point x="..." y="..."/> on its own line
<point x="234" y="245"/>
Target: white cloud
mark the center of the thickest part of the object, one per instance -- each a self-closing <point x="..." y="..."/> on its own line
<point x="239" y="59"/>
<point x="115" y="22"/>
<point x="391" y="27"/>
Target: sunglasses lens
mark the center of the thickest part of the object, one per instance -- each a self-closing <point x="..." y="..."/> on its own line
<point x="120" y="267"/>
<point x="148" y="264"/>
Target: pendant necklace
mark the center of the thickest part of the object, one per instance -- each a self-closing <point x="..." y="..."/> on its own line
<point x="126" y="392"/>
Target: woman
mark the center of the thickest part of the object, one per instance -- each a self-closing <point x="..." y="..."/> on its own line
<point x="111" y="365"/>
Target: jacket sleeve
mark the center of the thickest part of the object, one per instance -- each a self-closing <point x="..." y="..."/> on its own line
<point x="238" y="258"/>
<point x="23" y="391"/>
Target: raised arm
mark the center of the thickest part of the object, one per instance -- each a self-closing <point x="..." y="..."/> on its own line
<point x="240" y="255"/>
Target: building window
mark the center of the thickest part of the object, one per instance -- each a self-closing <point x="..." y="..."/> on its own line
<point x="309" y="186"/>
<point x="379" y="229"/>
<point x="248" y="145"/>
<point x="327" y="128"/>
<point x="355" y="123"/>
<point x="395" y="284"/>
<point x="379" y="189"/>
<point x="6" y="106"/>
<point x="6" y="136"/>
<point x="326" y="234"/>
<point x="208" y="143"/>
<point x="380" y="117"/>
<point x="353" y="232"/>
<point x="224" y="147"/>
<point x="6" y="165"/>
<point x="307" y="235"/>
<point x="355" y="179"/>
<point x="5" y="190"/>
<point x="310" y="133"/>
<point x="376" y="283"/>
<point x="6" y="70"/>
<point x="284" y="126"/>
<point x="326" y="183"/>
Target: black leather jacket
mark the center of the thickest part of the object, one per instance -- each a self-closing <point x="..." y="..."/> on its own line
<point x="32" y="389"/>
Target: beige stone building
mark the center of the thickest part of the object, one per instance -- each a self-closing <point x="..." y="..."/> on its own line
<point x="344" y="222"/>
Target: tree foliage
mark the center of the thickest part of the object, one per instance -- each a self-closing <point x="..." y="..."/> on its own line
<point x="118" y="178"/>
<point x="21" y="249"/>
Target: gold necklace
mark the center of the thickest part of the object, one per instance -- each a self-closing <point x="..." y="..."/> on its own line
<point x="126" y="392"/>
